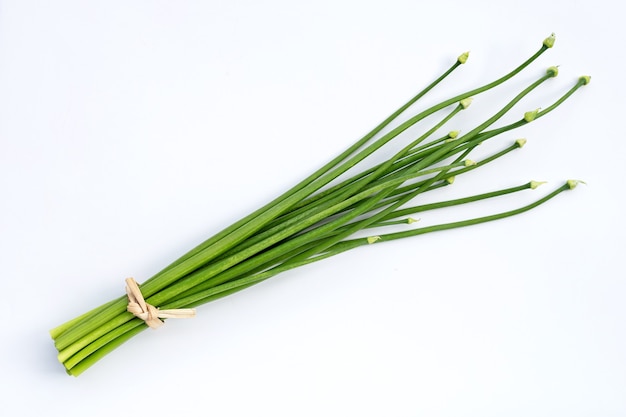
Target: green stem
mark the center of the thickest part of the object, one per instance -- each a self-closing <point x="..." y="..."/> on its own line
<point x="454" y="225"/>
<point x="337" y="194"/>
<point x="193" y="270"/>
<point x="455" y="202"/>
<point x="199" y="297"/>
<point x="215" y="262"/>
<point x="77" y="323"/>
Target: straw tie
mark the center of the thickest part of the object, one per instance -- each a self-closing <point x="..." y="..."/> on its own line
<point x="149" y="313"/>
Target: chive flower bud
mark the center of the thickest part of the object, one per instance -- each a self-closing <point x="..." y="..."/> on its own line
<point x="450" y="180"/>
<point x="549" y="41"/>
<point x="585" y="79"/>
<point x="373" y="239"/>
<point x="520" y="143"/>
<point x="553" y="71"/>
<point x="465" y="103"/>
<point x="529" y="116"/>
<point x="573" y="183"/>
<point x="535" y="184"/>
<point x="462" y="59"/>
<point x="452" y="135"/>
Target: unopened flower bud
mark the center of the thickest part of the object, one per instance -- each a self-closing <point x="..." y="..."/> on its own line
<point x="549" y="41"/>
<point x="463" y="57"/>
<point x="373" y="239"/>
<point x="585" y="79"/>
<point x="465" y="103"/>
<point x="553" y="71"/>
<point x="573" y="183"/>
<point x="520" y="142"/>
<point x="529" y="116"/>
<point x="469" y="162"/>
<point x="535" y="184"/>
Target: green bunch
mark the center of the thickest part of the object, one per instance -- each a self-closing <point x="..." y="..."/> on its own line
<point x="319" y="217"/>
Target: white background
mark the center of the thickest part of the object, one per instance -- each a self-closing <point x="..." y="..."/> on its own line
<point x="132" y="130"/>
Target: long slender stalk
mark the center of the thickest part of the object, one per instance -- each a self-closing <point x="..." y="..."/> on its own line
<point x="100" y="347"/>
<point x="212" y="247"/>
<point x="204" y="275"/>
<point x="316" y="218"/>
<point x="197" y="298"/>
<point x="343" y="191"/>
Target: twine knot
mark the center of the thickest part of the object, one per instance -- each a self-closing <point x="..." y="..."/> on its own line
<point x="149" y="313"/>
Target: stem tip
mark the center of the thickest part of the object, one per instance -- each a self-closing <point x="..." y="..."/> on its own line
<point x="373" y="239"/>
<point x="462" y="59"/>
<point x="553" y="71"/>
<point x="535" y="184"/>
<point x="465" y="103"/>
<point x="573" y="183"/>
<point x="549" y="41"/>
<point x="529" y="116"/>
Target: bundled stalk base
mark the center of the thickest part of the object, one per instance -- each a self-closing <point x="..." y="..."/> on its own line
<point x="318" y="218"/>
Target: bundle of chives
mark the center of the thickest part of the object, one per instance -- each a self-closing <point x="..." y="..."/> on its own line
<point x="319" y="217"/>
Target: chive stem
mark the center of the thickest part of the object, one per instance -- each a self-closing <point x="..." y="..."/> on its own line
<point x="317" y="217"/>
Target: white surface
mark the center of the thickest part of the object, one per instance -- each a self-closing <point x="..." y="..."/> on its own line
<point x="130" y="131"/>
